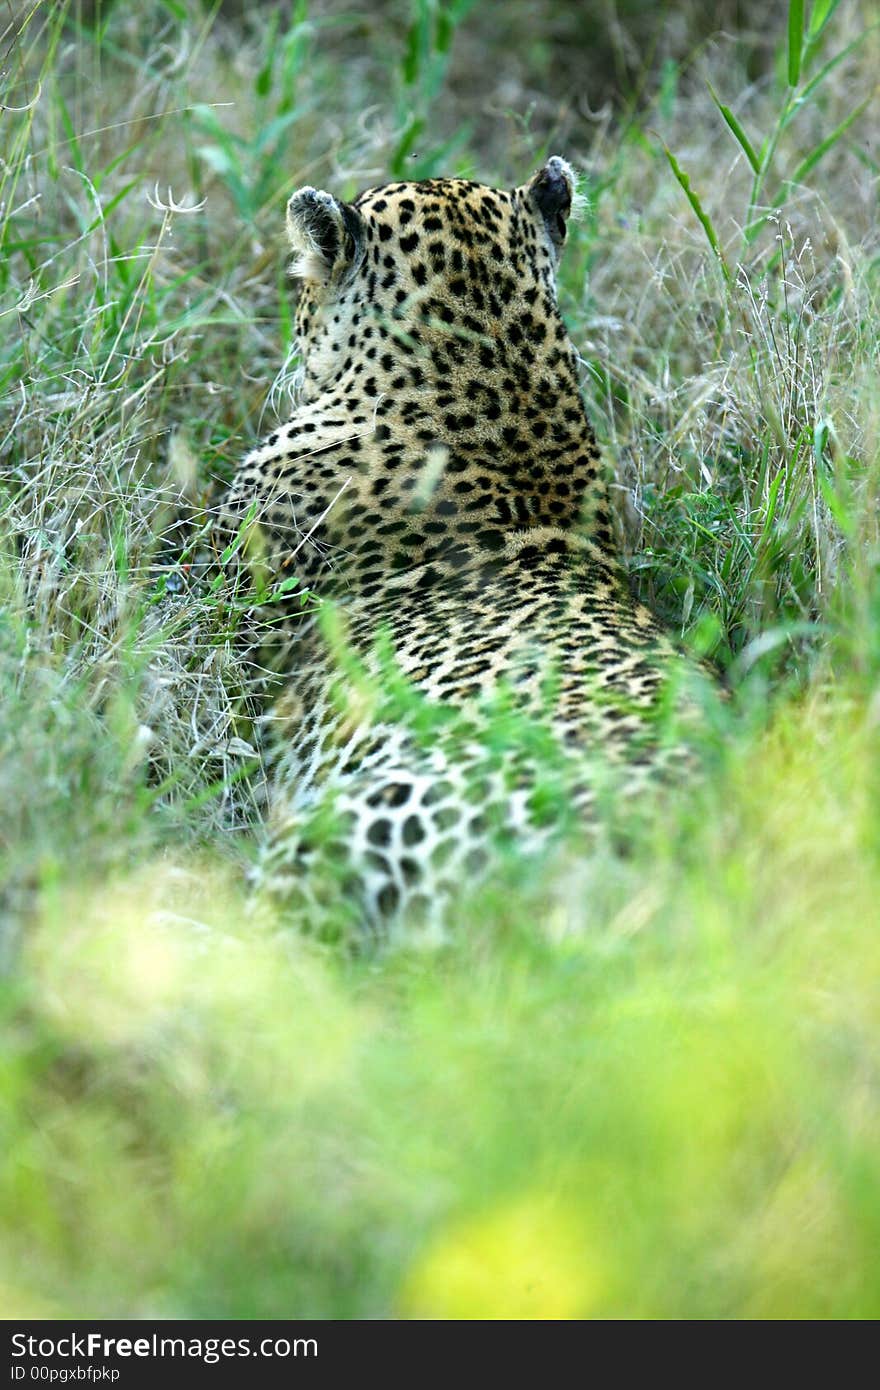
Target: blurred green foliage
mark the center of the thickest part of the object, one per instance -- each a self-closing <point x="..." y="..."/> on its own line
<point x="647" y="1093"/>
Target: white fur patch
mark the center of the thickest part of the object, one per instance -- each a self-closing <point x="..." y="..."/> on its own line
<point x="579" y="199"/>
<point x="309" y="264"/>
<point x="309" y="261"/>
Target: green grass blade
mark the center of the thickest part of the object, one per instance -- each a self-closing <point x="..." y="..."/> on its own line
<point x="820" y="14"/>
<point x="835" y="504"/>
<point x="114" y="203"/>
<point x="772" y="499"/>
<point x="74" y="153"/>
<point x="743" y="140"/>
<point x="411" y="133"/>
<point x="219" y="787"/>
<point x="814" y="83"/>
<point x="828" y="143"/>
<point x="702" y="216"/>
<point x="795" y="40"/>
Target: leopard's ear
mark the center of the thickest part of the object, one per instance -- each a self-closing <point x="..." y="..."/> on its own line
<point x="551" y="192"/>
<point x="327" y="236"/>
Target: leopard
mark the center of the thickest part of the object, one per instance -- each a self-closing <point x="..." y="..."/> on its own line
<point x="471" y="674"/>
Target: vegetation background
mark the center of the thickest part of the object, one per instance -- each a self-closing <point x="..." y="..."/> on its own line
<point x="641" y="1086"/>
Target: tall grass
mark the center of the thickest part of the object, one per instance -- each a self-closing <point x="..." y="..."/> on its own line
<point x="627" y="1086"/>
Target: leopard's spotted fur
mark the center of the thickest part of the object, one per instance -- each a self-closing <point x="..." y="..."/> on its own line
<point x="440" y="483"/>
